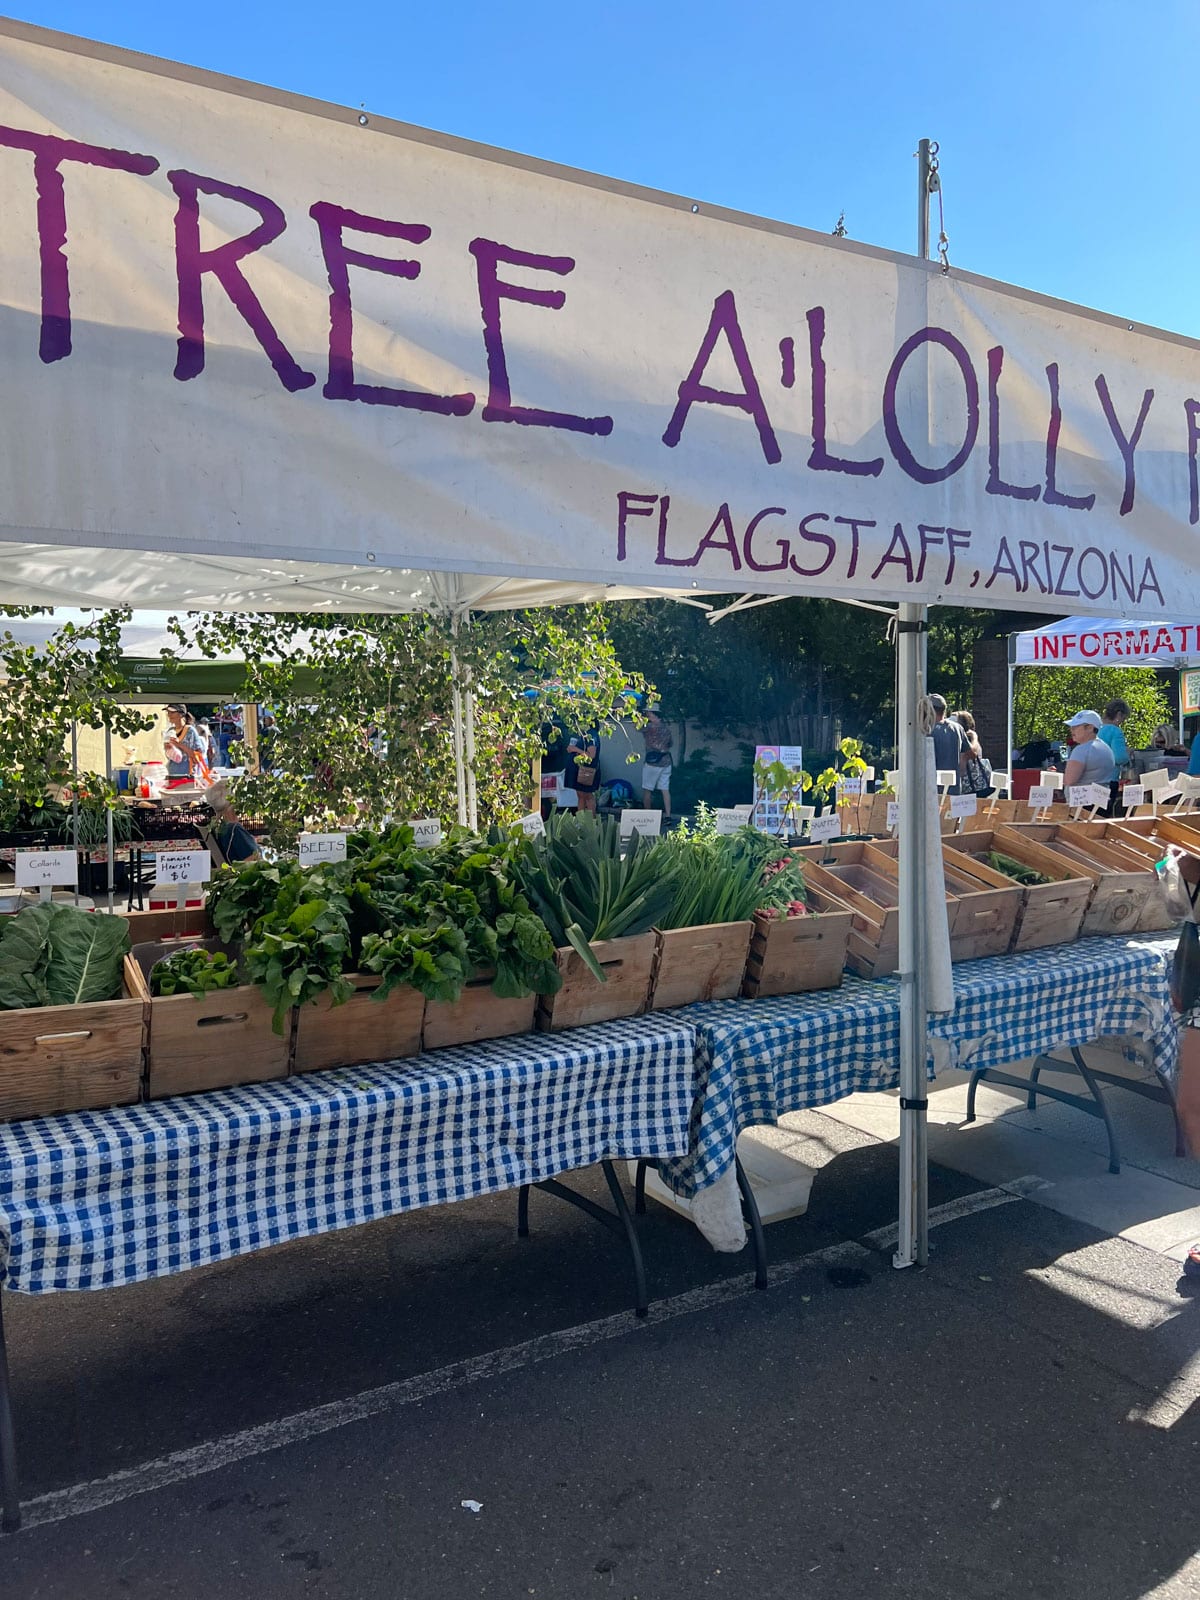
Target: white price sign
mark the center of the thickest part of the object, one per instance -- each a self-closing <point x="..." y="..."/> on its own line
<point x="730" y="820"/>
<point x="182" y="866"/>
<point x="1133" y="794"/>
<point x="532" y="826"/>
<point x="963" y="805"/>
<point x="1041" y="795"/>
<point x="850" y="786"/>
<point x="893" y="813"/>
<point x="41" y="869"/>
<point x="647" y="823"/>
<point x="822" y="829"/>
<point x="316" y="847"/>
<point x="427" y="831"/>
<point x="1088" y="794"/>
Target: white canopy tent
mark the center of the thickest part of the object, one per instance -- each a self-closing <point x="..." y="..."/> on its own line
<point x="1101" y="642"/>
<point x="264" y="353"/>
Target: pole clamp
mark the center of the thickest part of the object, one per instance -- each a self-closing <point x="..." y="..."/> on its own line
<point x="910" y="627"/>
<point x="913" y="1105"/>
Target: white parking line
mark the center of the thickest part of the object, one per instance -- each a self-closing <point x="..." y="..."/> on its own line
<point x="182" y="1465"/>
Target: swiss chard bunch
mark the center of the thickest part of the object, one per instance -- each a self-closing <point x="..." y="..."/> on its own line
<point x="301" y="947"/>
<point x="239" y="896"/>
<point x="195" y="972"/>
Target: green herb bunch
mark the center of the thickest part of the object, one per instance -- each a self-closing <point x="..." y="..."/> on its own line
<point x="195" y="972"/>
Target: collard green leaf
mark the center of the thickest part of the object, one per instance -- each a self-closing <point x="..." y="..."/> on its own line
<point x="85" y="950"/>
<point x="24" y="952"/>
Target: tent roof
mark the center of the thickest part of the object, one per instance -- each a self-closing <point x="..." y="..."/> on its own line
<point x="1104" y="642"/>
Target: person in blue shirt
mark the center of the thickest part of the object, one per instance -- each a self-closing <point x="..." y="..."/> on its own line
<point x="1113" y="721"/>
<point x="1193" y="765"/>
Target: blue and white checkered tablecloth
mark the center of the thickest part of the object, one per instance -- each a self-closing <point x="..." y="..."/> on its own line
<point x="95" y="1199"/>
<point x="757" y="1059"/>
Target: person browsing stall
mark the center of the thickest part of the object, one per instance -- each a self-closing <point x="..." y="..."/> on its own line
<point x="1091" y="760"/>
<point x="185" y="749"/>
<point x="234" y="842"/>
<point x="950" y="747"/>
<point x="1112" y="725"/>
<point x="656" y="765"/>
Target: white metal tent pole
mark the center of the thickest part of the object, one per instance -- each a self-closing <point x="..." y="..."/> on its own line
<point x="108" y="817"/>
<point x="1008" y="752"/>
<point x="460" y="781"/>
<point x="913" y="1245"/>
<point x="469" y="751"/>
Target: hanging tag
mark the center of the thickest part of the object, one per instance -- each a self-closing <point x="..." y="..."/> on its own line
<point x="182" y="866"/>
<point x="39" y="869"/>
<point x="823" y="829"/>
<point x="963" y="805"/>
<point x="532" y="826"/>
<point x="314" y="847"/>
<point x="427" y="831"/>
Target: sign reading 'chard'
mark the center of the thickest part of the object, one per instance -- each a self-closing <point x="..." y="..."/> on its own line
<point x="287" y="331"/>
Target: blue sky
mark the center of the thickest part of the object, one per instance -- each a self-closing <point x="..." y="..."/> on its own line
<point x="1066" y="131"/>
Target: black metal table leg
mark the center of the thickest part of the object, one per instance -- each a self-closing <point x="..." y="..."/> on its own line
<point x="756" y="1227"/>
<point x="639" y="1188"/>
<point x="619" y="1221"/>
<point x="642" y="1305"/>
<point x="1084" y="1071"/>
<point x="10" y="1505"/>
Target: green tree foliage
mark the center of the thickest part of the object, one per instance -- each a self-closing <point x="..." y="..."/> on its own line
<point x="75" y="677"/>
<point x="1044" y="697"/>
<point x="393" y="674"/>
<point x="754" y="674"/>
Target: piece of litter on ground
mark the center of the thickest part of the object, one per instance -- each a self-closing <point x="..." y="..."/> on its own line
<point x="996" y="1503"/>
<point x="472" y="1505"/>
<point x="983" y="1278"/>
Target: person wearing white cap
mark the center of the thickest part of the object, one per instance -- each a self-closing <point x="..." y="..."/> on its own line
<point x="1091" y="761"/>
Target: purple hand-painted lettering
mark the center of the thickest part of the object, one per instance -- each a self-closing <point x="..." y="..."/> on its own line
<point x="891" y="424"/>
<point x="492" y="290"/>
<point x="820" y="460"/>
<point x="1054" y="496"/>
<point x="724" y="320"/>
<point x="331" y="221"/>
<point x="223" y="262"/>
<point x="49" y="152"/>
<point x="631" y="505"/>
<point x="782" y="545"/>
<point x="995" y="483"/>
<point x="1126" y="444"/>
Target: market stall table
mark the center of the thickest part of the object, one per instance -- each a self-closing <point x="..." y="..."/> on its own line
<point x="758" y="1059"/>
<point x="94" y="1200"/>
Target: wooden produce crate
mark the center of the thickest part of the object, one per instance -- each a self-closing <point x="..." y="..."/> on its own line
<point x="629" y="968"/>
<point x="186" y="922"/>
<point x="1050" y="913"/>
<point x="361" y="1029"/>
<point x="868" y="814"/>
<point x="1146" y="840"/>
<point x="73" y="1058"/>
<point x="703" y="963"/>
<point x="216" y="1042"/>
<point x="792" y="955"/>
<point x="982" y="906"/>
<point x="1121" y="888"/>
<point x="863" y="878"/>
<point x="478" y="1013"/>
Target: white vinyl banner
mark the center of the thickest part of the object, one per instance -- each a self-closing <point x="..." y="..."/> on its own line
<point x="241" y="330"/>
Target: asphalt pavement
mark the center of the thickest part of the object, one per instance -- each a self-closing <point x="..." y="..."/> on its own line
<point x="1021" y="1418"/>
